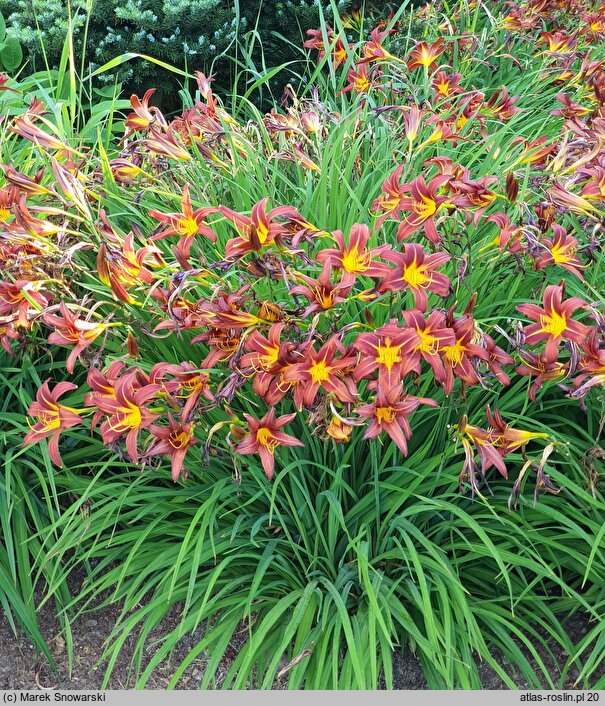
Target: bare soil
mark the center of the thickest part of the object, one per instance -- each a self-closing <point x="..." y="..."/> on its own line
<point x="21" y="668"/>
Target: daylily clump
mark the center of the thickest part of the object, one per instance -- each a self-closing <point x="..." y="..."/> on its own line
<point x="269" y="317"/>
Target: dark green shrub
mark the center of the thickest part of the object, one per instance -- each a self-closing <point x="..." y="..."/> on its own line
<point x="188" y="34"/>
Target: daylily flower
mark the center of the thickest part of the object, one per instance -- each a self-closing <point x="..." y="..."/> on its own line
<point x="426" y="55"/>
<point x="53" y="418"/>
<point x="459" y="357"/>
<point x="559" y="42"/>
<point x="71" y="187"/>
<point x="560" y="250"/>
<point x="416" y="270"/>
<point x="554" y="322"/>
<point x="446" y="85"/>
<point x="434" y="335"/>
<point x="257" y="231"/>
<point x="269" y="358"/>
<point x="355" y="258"/>
<point x="543" y="368"/>
<point x="173" y="441"/>
<point x="144" y="115"/>
<point x="497" y="357"/>
<point x="70" y="330"/>
<point x="265" y="436"/>
<point x="23" y="126"/>
<point x="389" y="413"/>
<point x="16" y="300"/>
<point x="25" y="183"/>
<point x="189" y="384"/>
<point x="509" y="236"/>
<point x="591" y="366"/>
<point x="423" y="204"/>
<point x="337" y="48"/>
<point x="385" y="350"/>
<point x="373" y="49"/>
<point x="223" y="345"/>
<point x="359" y="79"/>
<point x="320" y="292"/>
<point x="126" y="411"/>
<point x="321" y="370"/>
<point x="492" y="444"/>
<point x="339" y="431"/>
<point x="188" y="223"/>
<point x="166" y="144"/>
<point x="472" y="196"/>
<point x="390" y="200"/>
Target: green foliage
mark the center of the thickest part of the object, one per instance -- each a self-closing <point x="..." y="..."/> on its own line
<point x="189" y="34"/>
<point x="352" y="550"/>
<point x="29" y="502"/>
<point x="11" y="54"/>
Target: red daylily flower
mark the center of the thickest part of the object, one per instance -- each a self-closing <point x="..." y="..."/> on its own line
<point x="189" y="384"/>
<point x="426" y="55"/>
<point x="543" y="368"/>
<point x="459" y="357"/>
<point x="269" y="358"/>
<point x="389" y="413"/>
<point x="554" y="322"/>
<point x="560" y="250"/>
<point x="322" y="294"/>
<point x="416" y="270"/>
<point x="126" y="411"/>
<point x="321" y="369"/>
<point x="265" y="436"/>
<point x="434" y="335"/>
<point x="257" y="231"/>
<point x="355" y="258"/>
<point x="53" y="418"/>
<point x="16" y="300"/>
<point x="188" y="223"/>
<point x="423" y="204"/>
<point x="337" y="48"/>
<point x="70" y="330"/>
<point x="385" y="350"/>
<point x="446" y="85"/>
<point x="144" y="115"/>
<point x="373" y="50"/>
<point x="173" y="441"/>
